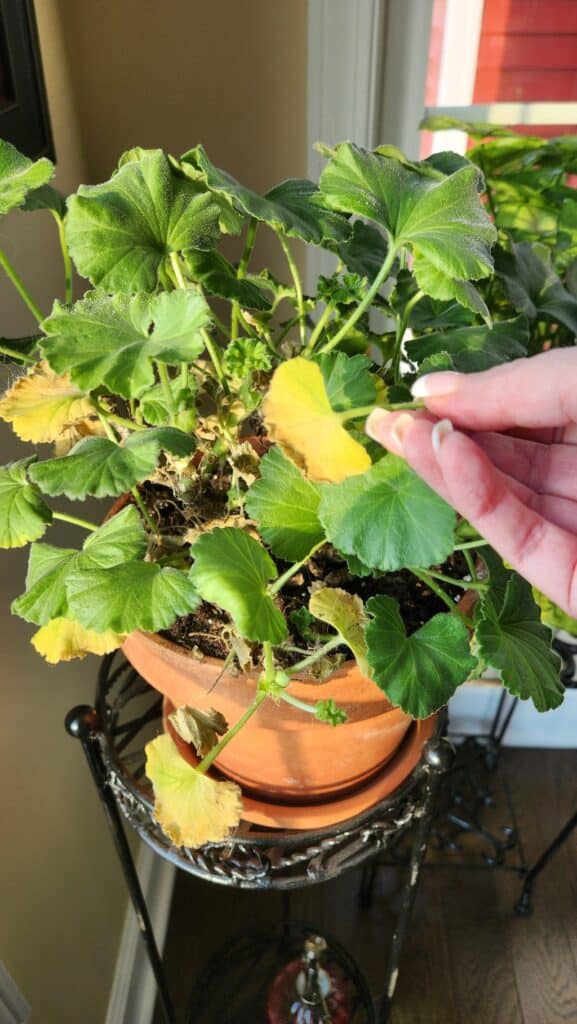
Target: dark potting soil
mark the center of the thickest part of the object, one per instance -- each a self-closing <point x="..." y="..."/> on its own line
<point x="208" y="629"/>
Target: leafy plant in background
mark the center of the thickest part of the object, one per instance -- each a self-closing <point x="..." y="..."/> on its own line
<point x="235" y="403"/>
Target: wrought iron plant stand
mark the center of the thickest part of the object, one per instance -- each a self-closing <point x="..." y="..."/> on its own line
<point x="441" y="801"/>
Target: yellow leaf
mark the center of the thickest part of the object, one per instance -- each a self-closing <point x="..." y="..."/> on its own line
<point x="42" y="405"/>
<point x="298" y="415"/>
<point x="201" y="728"/>
<point x="79" y="429"/>
<point x="191" y="808"/>
<point x="65" y="639"/>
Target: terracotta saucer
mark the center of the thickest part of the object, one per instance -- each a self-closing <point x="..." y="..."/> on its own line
<point x="309" y="816"/>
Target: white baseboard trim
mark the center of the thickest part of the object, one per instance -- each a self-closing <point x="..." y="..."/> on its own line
<point x="472" y="708"/>
<point x="133" y="990"/>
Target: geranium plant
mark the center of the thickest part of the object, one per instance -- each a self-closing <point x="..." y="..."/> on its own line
<point x="227" y="407"/>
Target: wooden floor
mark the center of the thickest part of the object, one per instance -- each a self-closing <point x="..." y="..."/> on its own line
<point x="468" y="958"/>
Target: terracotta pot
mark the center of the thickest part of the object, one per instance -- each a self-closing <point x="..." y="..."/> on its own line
<point x="282" y="754"/>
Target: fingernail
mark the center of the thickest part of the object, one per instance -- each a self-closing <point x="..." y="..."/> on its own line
<point x="439" y="433"/>
<point x="375" y="423"/>
<point x="400" y="428"/>
<point x="433" y="384"/>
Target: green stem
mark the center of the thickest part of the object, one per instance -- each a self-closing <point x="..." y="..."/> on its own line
<point x="358" y="312"/>
<point x="228" y="736"/>
<point x="75" y="521"/>
<point x="68" y="280"/>
<point x="286" y="330"/>
<point x="296" y="703"/>
<point x="123" y="422"/>
<point x="298" y="286"/>
<point x="316" y="655"/>
<point x="143" y="510"/>
<point x="365" y="410"/>
<point x="472" y="544"/>
<point x="463" y="584"/>
<point x="470" y="565"/>
<point x="5" y="351"/>
<point x="428" y="580"/>
<point x="214" y="354"/>
<point x="280" y="582"/>
<point x="268" y="661"/>
<point x="20" y="286"/>
<point x="167" y="391"/>
<point x="400" y="335"/>
<point x="104" y="417"/>
<point x="175" y="264"/>
<point x="241" y="272"/>
<point x="323" y="320"/>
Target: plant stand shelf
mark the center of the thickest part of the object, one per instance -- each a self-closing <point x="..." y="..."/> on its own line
<point x="113" y="733"/>
<point x="437" y="809"/>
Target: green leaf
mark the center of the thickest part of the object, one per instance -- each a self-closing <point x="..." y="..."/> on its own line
<point x="567" y="233"/>
<point x="476" y="129"/>
<point x="23" y="514"/>
<point x="441" y="218"/>
<point x="388" y="517"/>
<point x="129" y="596"/>
<point x="346" y="613"/>
<point x="244" y="356"/>
<point x="112" y="340"/>
<point x="232" y="570"/>
<point x="427" y="314"/>
<point x="533" y="286"/>
<point x="329" y="711"/>
<point x="294" y="207"/>
<point x="285" y="506"/>
<point x="474" y="348"/>
<point x="121" y="233"/>
<point x="155" y="409"/>
<point x="440" y="285"/>
<point x="365" y="251"/>
<point x="19" y="176"/>
<point x="552" y="615"/>
<point x="100" y="467"/>
<point x="218" y="277"/>
<point x="513" y="640"/>
<point x="420" y="672"/>
<point x="348" y="380"/>
<point x="121" y="539"/>
<point x="46" y="198"/>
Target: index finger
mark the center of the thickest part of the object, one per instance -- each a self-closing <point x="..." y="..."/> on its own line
<point x="545" y="554"/>
<point x="537" y="392"/>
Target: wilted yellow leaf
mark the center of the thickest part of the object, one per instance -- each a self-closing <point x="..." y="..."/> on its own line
<point x="191" y="808"/>
<point x="346" y="613"/>
<point x="65" y="639"/>
<point x="74" y="433"/>
<point x="42" y="405"/>
<point x="298" y="415"/>
<point x="201" y="728"/>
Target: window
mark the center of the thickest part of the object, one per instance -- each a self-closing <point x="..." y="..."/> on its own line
<point x="510" y="62"/>
<point x="23" y="111"/>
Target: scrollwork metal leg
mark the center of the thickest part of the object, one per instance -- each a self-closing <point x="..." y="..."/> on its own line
<point x="523" y="907"/>
<point x="83" y="723"/>
<point x="437" y="758"/>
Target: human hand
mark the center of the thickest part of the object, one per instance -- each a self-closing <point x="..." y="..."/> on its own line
<point x="510" y="466"/>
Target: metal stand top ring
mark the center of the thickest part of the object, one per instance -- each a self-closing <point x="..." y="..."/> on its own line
<point x="129" y="715"/>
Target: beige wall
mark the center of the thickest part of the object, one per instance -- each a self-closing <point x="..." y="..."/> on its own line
<point x="231" y="75"/>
